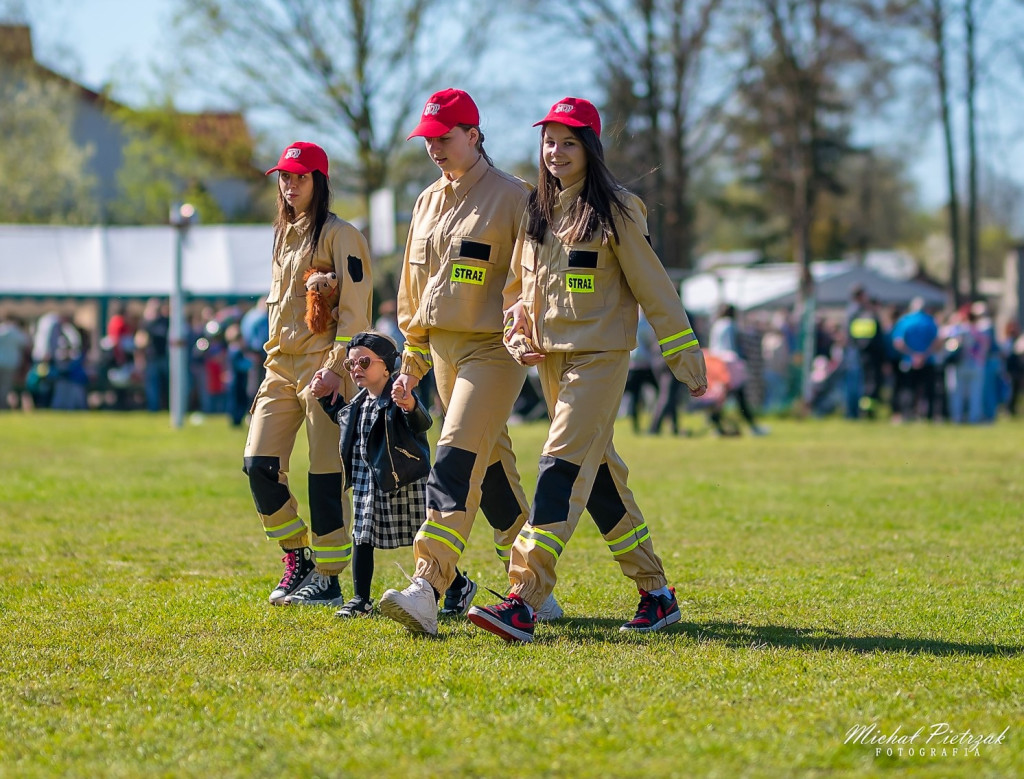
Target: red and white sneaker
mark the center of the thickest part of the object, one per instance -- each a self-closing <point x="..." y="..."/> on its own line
<point x="653" y="613"/>
<point x="511" y="619"/>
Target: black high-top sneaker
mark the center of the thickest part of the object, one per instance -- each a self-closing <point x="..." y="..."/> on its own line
<point x="298" y="568"/>
<point x="320" y="590"/>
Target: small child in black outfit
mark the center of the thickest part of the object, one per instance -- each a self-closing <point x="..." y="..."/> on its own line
<point x="386" y="458"/>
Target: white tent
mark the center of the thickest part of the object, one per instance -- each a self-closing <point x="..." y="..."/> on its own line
<point x="51" y="261"/>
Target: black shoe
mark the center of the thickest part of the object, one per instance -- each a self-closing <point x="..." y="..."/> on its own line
<point x="653" y="613"/>
<point x="510" y="619"/>
<point x="457" y="600"/>
<point x="321" y="590"/>
<point x="298" y="567"/>
<point x="357" y="607"/>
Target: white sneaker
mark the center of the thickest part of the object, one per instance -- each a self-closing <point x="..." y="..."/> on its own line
<point x="549" y="610"/>
<point x="414" y="607"/>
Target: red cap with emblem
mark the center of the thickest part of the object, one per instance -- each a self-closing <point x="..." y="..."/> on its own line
<point x="574" y="112"/>
<point x="302" y="158"/>
<point x="443" y="111"/>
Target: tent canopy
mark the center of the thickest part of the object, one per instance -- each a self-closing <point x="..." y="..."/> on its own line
<point x="763" y="287"/>
<point x="51" y="261"/>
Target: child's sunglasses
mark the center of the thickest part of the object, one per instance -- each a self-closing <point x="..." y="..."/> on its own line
<point x="363" y="362"/>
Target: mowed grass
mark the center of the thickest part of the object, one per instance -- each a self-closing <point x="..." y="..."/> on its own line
<point x="830" y="575"/>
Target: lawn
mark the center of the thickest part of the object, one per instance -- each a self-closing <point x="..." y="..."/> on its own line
<point x="831" y="576"/>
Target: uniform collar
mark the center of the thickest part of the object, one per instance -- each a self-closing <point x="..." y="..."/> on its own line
<point x="461" y="186"/>
<point x="567" y="196"/>
<point x="301" y="226"/>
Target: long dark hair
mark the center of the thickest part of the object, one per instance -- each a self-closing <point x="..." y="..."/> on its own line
<point x="479" y="142"/>
<point x="319" y="208"/>
<point x="599" y="202"/>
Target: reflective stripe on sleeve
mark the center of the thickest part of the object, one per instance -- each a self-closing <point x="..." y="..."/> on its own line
<point x="544" y="540"/>
<point x="631" y="540"/>
<point x="342" y="339"/>
<point x="424" y="353"/>
<point x="333" y="554"/>
<point x="676" y="343"/>
<point x="286" y="530"/>
<point x="445" y="535"/>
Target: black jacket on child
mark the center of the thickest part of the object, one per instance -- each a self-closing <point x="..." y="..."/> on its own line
<point x="397" y="446"/>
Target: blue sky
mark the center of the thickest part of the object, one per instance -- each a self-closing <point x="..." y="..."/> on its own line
<point x="125" y="42"/>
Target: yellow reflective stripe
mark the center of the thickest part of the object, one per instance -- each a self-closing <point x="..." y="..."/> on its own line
<point x="674" y="337"/>
<point x="637" y="535"/>
<point x="278" y="532"/>
<point x="535" y="534"/>
<point x="431" y="523"/>
<point x="679" y="348"/>
<point x="424" y="353"/>
<point x="445" y="535"/>
<point x="504" y="550"/>
<point x="634" y="545"/>
<point x="442" y="539"/>
<point x="342" y="338"/>
<point x="322" y="556"/>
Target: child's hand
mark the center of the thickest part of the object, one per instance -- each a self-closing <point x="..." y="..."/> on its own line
<point x="402" y="395"/>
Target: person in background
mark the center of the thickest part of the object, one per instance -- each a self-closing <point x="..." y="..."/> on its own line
<point x="151" y="340"/>
<point x="583" y="262"/>
<point x="915" y="338"/>
<point x="15" y="346"/>
<point x="723" y="340"/>
<point x="302" y="365"/>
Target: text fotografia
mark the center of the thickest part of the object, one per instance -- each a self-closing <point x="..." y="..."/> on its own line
<point x="938" y="740"/>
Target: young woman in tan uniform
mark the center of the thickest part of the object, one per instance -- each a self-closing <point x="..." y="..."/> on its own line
<point x="302" y="365"/>
<point x="450" y="311"/>
<point x="582" y="263"/>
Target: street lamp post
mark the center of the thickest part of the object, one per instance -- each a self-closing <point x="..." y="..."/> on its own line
<point x="182" y="215"/>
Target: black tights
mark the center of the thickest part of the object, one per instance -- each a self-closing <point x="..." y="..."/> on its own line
<point x="362" y="571"/>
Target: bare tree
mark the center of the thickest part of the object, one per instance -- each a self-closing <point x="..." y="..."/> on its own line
<point x="353" y="70"/>
<point x="651" y="61"/>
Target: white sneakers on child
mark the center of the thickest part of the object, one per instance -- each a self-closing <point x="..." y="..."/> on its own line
<point x="415" y="607"/>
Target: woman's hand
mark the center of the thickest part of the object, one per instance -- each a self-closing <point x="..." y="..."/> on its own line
<point x="401" y="391"/>
<point x="516" y="321"/>
<point x="325" y="382"/>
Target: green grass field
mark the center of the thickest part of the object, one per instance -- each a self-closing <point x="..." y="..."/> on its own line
<point x="831" y="575"/>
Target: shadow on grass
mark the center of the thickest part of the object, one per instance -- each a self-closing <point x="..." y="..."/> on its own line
<point x="735" y="634"/>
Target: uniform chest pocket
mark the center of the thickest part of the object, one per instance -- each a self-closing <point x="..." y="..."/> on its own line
<point x="419" y="251"/>
<point x="582" y="279"/>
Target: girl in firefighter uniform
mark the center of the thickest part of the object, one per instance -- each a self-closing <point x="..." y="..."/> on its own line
<point x="582" y="263"/>
<point x="303" y="364"/>
<point x="463" y="230"/>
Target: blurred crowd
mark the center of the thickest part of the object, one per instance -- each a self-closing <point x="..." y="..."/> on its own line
<point x="869" y="361"/>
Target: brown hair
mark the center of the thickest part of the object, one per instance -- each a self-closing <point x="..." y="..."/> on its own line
<point x="597" y="205"/>
<point x="319" y="209"/>
<point x="480" y="141"/>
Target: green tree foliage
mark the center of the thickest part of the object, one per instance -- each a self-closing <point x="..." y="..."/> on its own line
<point x="46" y="178"/>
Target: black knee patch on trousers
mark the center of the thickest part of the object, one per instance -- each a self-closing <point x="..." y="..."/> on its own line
<point x="325" y="503"/>
<point x="555" y="478"/>
<point x="448" y="482"/>
<point x="604" y="504"/>
<point x="267" y="492"/>
<point x="497" y="499"/>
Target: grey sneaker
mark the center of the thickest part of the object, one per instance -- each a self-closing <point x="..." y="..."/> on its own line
<point x="321" y="590"/>
<point x="298" y="568"/>
<point x="415" y="607"/>
<point x="549" y="610"/>
<point x="457" y="600"/>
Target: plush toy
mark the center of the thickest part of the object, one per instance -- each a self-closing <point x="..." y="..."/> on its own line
<point x="321" y="292"/>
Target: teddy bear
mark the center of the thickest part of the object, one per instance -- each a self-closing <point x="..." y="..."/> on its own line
<point x="321" y="291"/>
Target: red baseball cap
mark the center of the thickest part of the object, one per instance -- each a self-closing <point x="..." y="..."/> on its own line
<point x="443" y="111"/>
<point x="302" y="158"/>
<point x="574" y="112"/>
